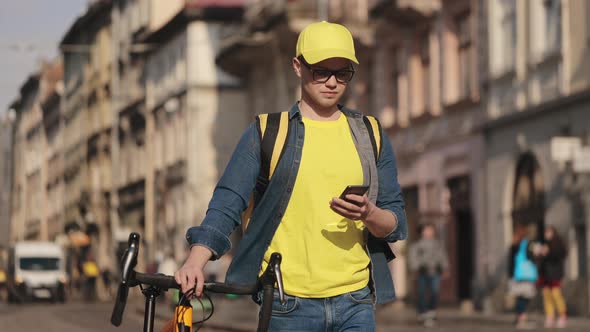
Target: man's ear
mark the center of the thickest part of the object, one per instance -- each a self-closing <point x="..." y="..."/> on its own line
<point x="297" y="67"/>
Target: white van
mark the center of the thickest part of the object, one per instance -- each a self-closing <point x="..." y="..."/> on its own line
<point x="36" y="270"/>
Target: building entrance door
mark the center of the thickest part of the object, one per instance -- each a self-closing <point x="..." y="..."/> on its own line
<point x="464" y="247"/>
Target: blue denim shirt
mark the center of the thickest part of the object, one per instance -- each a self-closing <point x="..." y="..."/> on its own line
<point x="233" y="191"/>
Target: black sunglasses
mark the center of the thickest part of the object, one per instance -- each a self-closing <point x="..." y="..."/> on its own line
<point x="323" y="75"/>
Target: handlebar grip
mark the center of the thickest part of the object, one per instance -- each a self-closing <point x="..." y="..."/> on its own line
<point x="166" y="282"/>
<point x="229" y="289"/>
<point x="266" y="308"/>
<point x="158" y="280"/>
<point x="120" y="303"/>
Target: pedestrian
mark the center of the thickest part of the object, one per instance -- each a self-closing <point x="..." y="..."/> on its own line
<point x="428" y="258"/>
<point x="551" y="271"/>
<point x="523" y="275"/>
<point x="107" y="277"/>
<point x="334" y="250"/>
<point x="91" y="273"/>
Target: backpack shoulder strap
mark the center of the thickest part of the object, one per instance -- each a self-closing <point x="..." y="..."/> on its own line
<point x="273" y="129"/>
<point x="374" y="128"/>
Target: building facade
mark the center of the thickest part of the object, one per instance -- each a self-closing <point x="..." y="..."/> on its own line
<point x="127" y="197"/>
<point x="165" y="154"/>
<point x="27" y="165"/>
<point x="86" y="122"/>
<point x="193" y="120"/>
<point x="7" y="129"/>
<point x="32" y="213"/>
<point x="538" y="78"/>
<point x="427" y="96"/>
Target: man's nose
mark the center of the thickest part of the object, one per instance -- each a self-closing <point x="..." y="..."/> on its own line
<point x="332" y="82"/>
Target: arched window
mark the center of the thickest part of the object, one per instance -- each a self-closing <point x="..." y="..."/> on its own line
<point x="528" y="208"/>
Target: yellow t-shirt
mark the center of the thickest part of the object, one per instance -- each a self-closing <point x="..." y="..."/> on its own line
<point x="323" y="253"/>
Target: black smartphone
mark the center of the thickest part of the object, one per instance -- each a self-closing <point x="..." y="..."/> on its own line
<point x="354" y="189"/>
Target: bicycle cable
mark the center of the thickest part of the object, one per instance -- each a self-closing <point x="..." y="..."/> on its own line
<point x="186" y="297"/>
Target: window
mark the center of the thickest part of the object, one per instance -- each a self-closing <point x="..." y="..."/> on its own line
<point x="552" y="16"/>
<point x="395" y="72"/>
<point x="508" y="32"/>
<point x="463" y="23"/>
<point x="425" y="60"/>
<point x="39" y="263"/>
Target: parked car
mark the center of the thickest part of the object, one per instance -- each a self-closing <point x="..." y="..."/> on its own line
<point x="36" y="270"/>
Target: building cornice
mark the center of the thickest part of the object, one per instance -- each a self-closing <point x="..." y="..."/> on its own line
<point x="194" y="10"/>
<point x="98" y="9"/>
<point x="548" y="107"/>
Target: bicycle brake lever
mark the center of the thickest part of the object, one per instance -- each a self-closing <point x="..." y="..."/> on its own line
<point x="129" y="259"/>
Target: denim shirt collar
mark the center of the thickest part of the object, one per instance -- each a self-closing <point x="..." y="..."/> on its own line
<point x="296" y="112"/>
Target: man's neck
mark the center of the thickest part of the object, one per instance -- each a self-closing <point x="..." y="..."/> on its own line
<point x="315" y="112"/>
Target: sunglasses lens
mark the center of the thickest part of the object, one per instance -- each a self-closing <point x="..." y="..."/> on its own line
<point x="344" y="75"/>
<point x="321" y="75"/>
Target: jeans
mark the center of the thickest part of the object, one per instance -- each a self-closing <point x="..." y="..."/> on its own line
<point x="427" y="284"/>
<point x="521" y="304"/>
<point x="349" y="312"/>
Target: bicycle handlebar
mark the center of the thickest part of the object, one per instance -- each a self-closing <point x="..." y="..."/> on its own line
<point x="131" y="278"/>
<point x="166" y="282"/>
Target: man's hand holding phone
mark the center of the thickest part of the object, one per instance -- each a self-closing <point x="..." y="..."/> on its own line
<point x="352" y="203"/>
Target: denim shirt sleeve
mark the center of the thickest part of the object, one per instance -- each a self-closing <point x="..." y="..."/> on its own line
<point x="390" y="195"/>
<point x="230" y="197"/>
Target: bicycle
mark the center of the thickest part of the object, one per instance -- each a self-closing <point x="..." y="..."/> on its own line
<point x="158" y="283"/>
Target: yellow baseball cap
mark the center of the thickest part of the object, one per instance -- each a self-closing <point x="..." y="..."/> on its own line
<point x="323" y="40"/>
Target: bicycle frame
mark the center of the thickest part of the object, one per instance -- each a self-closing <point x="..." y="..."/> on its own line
<point x="158" y="283"/>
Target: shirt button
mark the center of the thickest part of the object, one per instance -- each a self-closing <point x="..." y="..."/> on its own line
<point x="289" y="189"/>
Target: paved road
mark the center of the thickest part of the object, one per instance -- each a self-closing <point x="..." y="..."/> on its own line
<point x="72" y="316"/>
<point x="84" y="317"/>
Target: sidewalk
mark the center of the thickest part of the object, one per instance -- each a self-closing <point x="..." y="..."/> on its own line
<point x="241" y="315"/>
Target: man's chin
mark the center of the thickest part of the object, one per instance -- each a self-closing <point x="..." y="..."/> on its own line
<point x="328" y="102"/>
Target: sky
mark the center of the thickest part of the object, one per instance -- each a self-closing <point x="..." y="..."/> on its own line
<point x="30" y="30"/>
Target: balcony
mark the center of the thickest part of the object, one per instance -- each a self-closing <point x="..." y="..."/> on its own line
<point x="404" y="11"/>
<point x="132" y="147"/>
<point x="131" y="89"/>
<point x="263" y="13"/>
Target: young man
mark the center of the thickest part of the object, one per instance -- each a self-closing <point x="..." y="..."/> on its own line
<point x="334" y="251"/>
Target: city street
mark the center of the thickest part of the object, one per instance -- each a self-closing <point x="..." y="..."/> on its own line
<point x="85" y="317"/>
<point x="145" y="126"/>
<point x="72" y="316"/>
